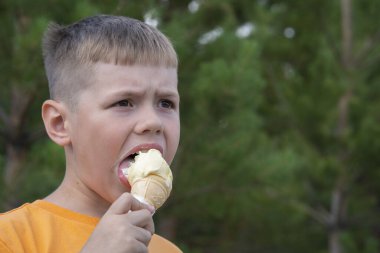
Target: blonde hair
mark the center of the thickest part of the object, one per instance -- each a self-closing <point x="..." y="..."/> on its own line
<point x="70" y="51"/>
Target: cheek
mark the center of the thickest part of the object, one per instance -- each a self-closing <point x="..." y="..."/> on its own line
<point x="177" y="136"/>
<point x="173" y="140"/>
<point x="97" y="146"/>
<point x="106" y="144"/>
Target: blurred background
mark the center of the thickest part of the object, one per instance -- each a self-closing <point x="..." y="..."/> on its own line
<point x="280" y="110"/>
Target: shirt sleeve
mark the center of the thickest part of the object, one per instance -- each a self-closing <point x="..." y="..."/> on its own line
<point x="4" y="248"/>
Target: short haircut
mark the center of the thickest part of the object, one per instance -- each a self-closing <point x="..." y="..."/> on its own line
<point x="70" y="51"/>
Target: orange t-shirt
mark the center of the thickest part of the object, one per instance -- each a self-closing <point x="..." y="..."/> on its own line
<point x="42" y="227"/>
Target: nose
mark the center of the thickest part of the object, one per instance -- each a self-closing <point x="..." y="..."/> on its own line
<point x="149" y="122"/>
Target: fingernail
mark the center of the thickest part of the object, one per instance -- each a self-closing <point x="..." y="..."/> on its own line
<point x="151" y="209"/>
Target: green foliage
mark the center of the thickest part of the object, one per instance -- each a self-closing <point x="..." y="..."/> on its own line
<point x="260" y="150"/>
<point x="43" y="172"/>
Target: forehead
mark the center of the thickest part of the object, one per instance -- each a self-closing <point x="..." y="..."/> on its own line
<point x="106" y="72"/>
<point x="109" y="79"/>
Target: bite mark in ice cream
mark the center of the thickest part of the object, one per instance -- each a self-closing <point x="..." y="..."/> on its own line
<point x="150" y="177"/>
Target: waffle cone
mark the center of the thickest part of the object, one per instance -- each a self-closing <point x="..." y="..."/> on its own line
<point x="151" y="189"/>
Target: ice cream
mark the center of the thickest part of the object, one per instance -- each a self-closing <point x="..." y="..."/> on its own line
<point x="150" y="177"/>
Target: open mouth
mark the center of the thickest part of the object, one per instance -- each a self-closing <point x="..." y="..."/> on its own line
<point x="126" y="163"/>
<point x="130" y="159"/>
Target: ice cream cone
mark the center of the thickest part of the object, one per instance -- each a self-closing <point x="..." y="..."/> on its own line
<point x="152" y="189"/>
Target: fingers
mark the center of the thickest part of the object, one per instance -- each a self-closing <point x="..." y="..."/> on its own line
<point x="136" y="240"/>
<point x="127" y="226"/>
<point x="142" y="235"/>
<point x="125" y="203"/>
<point x="142" y="219"/>
<point x="137" y="213"/>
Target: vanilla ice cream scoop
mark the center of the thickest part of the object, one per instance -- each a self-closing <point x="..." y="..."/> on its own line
<point x="150" y="178"/>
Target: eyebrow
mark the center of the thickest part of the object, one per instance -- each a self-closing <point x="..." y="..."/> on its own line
<point x="126" y="93"/>
<point x="140" y="92"/>
<point x="167" y="93"/>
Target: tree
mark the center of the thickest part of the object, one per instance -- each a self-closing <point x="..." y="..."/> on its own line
<point x="315" y="83"/>
<point x="279" y="148"/>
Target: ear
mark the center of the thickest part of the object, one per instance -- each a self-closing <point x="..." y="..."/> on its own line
<point x="54" y="115"/>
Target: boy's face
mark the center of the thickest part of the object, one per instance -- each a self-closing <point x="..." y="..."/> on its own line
<point x="126" y="109"/>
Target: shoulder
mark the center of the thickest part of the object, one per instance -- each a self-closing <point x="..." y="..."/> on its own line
<point x="11" y="225"/>
<point x="14" y="214"/>
<point x="158" y="244"/>
<point x="4" y="248"/>
<point x="13" y="220"/>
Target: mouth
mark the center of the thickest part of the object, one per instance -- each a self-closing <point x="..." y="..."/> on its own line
<point x="124" y="165"/>
<point x="130" y="158"/>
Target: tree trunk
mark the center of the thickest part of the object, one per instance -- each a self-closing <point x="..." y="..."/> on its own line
<point x="337" y="217"/>
<point x="346" y="21"/>
<point x="334" y="242"/>
<point x="17" y="142"/>
<point x="15" y="158"/>
<point x="338" y="195"/>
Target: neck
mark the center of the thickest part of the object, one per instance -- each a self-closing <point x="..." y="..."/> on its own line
<point x="76" y="197"/>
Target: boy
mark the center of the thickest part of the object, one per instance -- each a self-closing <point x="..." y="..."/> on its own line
<point x="113" y="88"/>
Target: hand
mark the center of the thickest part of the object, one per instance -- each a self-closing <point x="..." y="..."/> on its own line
<point x="126" y="227"/>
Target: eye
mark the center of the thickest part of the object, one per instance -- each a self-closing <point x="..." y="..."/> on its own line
<point x="123" y="103"/>
<point x="166" y="104"/>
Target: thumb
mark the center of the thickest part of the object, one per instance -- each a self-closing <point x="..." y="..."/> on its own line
<point x="125" y="203"/>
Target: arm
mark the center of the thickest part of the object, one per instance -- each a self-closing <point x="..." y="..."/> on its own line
<point x="126" y="227"/>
